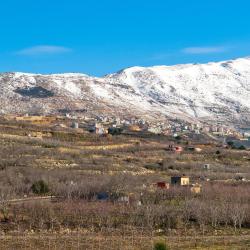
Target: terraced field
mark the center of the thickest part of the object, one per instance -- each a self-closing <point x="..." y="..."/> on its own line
<point x="108" y="183"/>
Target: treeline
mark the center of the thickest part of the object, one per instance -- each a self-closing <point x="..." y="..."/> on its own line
<point x="80" y="206"/>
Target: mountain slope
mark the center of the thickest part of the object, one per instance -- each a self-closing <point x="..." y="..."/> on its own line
<point x="190" y="92"/>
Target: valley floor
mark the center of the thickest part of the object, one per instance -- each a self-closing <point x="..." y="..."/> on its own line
<point x="55" y="182"/>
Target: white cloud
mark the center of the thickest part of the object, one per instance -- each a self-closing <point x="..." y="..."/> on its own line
<point x="43" y="50"/>
<point x="203" y="50"/>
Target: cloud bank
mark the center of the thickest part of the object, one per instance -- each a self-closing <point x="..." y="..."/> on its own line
<point x="43" y="50"/>
<point x="203" y="50"/>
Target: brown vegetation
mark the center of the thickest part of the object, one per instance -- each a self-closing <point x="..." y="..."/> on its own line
<point x="105" y="183"/>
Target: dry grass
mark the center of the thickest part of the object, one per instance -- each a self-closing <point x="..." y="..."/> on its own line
<point x="135" y="242"/>
<point x="122" y="164"/>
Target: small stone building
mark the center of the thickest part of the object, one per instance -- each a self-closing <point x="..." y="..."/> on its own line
<point x="206" y="166"/>
<point x="180" y="180"/>
<point x="196" y="188"/>
<point x="162" y="185"/>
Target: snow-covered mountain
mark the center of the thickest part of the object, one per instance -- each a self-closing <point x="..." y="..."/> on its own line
<point x="190" y="92"/>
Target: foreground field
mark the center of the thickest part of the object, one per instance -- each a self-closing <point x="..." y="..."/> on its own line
<point x="102" y="242"/>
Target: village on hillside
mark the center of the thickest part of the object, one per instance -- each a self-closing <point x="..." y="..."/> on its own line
<point x="103" y="125"/>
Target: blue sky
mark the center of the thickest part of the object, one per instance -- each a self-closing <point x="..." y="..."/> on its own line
<point x="102" y="36"/>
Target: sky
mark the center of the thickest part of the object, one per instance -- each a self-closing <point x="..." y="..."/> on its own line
<point x="98" y="37"/>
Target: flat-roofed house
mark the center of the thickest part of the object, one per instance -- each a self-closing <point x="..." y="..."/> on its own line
<point x="180" y="180"/>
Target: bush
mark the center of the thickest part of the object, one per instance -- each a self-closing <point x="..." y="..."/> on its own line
<point x="178" y="138"/>
<point x="160" y="246"/>
<point x="230" y="143"/>
<point x="40" y="187"/>
<point x="115" y="131"/>
<point x="242" y="147"/>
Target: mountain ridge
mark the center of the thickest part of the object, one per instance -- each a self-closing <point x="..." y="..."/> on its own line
<point x="120" y="70"/>
<point x="192" y="92"/>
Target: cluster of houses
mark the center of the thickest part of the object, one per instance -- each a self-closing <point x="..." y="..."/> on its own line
<point x="132" y="198"/>
<point x="180" y="181"/>
<point x="100" y="124"/>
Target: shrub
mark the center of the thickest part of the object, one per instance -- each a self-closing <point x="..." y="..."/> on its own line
<point x="242" y="147"/>
<point x="40" y="187"/>
<point x="160" y="246"/>
<point x="115" y="131"/>
<point x="230" y="143"/>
